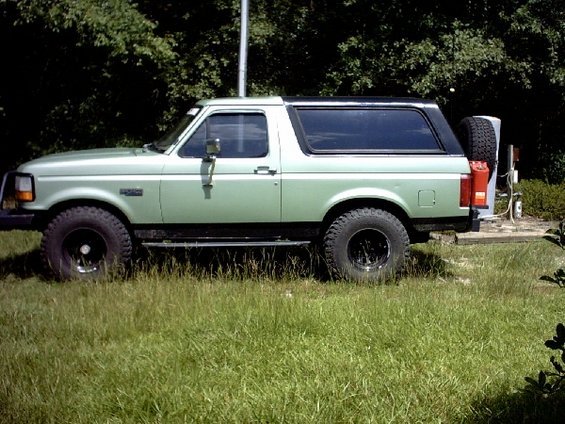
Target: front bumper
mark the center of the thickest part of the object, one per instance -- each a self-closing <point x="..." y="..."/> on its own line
<point x="13" y="219"/>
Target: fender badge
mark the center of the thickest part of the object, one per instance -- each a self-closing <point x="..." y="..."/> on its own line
<point x="131" y="191"/>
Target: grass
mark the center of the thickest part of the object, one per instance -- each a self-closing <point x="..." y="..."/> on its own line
<point x="261" y="337"/>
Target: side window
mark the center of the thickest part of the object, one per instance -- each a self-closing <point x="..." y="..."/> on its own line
<point x="242" y="135"/>
<point x="367" y="130"/>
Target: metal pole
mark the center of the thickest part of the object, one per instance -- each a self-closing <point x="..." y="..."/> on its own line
<point x="242" y="74"/>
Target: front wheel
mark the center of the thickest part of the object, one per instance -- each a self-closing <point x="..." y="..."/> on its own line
<point x="366" y="244"/>
<point x="85" y="243"/>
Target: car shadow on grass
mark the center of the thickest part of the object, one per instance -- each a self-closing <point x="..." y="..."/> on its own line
<point x="238" y="263"/>
<point x="425" y="264"/>
<point x="243" y="263"/>
<point x="273" y="263"/>
<point x="520" y="407"/>
<point x="25" y="265"/>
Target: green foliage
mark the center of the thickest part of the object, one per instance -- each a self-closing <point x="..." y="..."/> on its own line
<point x="551" y="382"/>
<point x="556" y="236"/>
<point x="454" y="59"/>
<point x="85" y="74"/>
<point x="537" y="29"/>
<point x="550" y="165"/>
<point x="116" y="25"/>
<point x="542" y="200"/>
<point x="557" y="278"/>
<point x="88" y="73"/>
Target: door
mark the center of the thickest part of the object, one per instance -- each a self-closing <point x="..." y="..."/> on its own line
<point x="241" y="184"/>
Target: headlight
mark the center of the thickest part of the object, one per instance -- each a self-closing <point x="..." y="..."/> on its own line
<point x="24" y="188"/>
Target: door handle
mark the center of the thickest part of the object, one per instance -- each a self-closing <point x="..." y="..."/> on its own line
<point x="265" y="170"/>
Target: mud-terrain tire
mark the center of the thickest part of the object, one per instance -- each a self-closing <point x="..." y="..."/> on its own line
<point x="366" y="244"/>
<point x="85" y="243"/>
<point x="478" y="139"/>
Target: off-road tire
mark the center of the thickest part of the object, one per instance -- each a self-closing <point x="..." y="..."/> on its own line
<point x="366" y="244"/>
<point x="478" y="139"/>
<point x="85" y="243"/>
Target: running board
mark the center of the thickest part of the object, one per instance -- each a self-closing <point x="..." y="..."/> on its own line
<point x="226" y="244"/>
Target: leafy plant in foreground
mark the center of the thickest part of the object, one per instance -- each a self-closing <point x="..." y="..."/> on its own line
<point x="556" y="236"/>
<point x="557" y="278"/>
<point x="551" y="382"/>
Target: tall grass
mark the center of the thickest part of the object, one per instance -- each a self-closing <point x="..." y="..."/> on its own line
<point x="261" y="336"/>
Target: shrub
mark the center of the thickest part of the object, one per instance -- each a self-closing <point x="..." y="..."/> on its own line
<point x="551" y="382"/>
<point x="556" y="236"/>
<point x="551" y="167"/>
<point x="542" y="200"/>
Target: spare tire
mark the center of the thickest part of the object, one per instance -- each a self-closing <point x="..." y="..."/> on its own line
<point x="478" y="139"/>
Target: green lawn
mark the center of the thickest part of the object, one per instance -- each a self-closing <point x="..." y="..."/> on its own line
<point x="262" y="337"/>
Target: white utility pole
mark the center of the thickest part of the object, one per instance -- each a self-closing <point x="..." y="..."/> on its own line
<point x="242" y="74"/>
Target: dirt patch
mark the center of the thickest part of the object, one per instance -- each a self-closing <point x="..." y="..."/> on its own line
<point x="523" y="224"/>
<point x="500" y="230"/>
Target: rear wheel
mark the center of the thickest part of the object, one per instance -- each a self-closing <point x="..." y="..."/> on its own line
<point x="366" y="244"/>
<point x="479" y="140"/>
<point x="85" y="243"/>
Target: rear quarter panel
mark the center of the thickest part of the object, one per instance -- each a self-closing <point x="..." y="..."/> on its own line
<point x="424" y="186"/>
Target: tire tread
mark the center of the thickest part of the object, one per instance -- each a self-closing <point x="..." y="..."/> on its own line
<point x="88" y="212"/>
<point x="339" y="224"/>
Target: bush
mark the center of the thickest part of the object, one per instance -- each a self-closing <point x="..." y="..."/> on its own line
<point x="551" y="167"/>
<point x="556" y="236"/>
<point x="551" y="382"/>
<point x="542" y="200"/>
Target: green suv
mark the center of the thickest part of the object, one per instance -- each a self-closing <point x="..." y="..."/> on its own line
<point x="362" y="177"/>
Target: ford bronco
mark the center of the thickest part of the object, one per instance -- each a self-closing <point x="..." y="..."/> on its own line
<point x="364" y="178"/>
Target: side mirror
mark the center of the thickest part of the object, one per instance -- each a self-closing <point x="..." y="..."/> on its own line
<point x="212" y="149"/>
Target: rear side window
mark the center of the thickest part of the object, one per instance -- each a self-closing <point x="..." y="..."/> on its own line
<point x="367" y="130"/>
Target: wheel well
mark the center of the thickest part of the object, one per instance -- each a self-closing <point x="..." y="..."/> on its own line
<point x="385" y="205"/>
<point x="58" y="208"/>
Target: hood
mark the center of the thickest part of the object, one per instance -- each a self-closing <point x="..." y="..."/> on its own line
<point x="119" y="160"/>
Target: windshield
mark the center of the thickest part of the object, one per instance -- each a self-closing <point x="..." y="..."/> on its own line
<point x="172" y="136"/>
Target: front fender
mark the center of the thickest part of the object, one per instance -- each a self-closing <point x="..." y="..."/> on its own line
<point x="138" y="202"/>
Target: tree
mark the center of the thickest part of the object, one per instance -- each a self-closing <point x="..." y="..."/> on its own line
<point x="80" y="74"/>
<point x="94" y="72"/>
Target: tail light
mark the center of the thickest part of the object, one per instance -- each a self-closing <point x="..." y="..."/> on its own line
<point x="465" y="190"/>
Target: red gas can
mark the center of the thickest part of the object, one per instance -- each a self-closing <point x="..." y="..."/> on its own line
<point x="480" y="174"/>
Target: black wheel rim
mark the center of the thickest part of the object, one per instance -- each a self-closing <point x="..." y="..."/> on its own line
<point x="85" y="250"/>
<point x="369" y="250"/>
